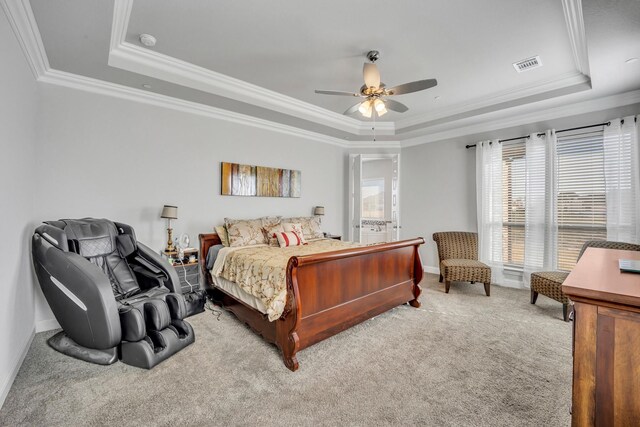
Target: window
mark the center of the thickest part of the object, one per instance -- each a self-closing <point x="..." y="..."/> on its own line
<point x="513" y="168"/>
<point x="373" y="198"/>
<point x="581" y="203"/>
<point x="582" y="209"/>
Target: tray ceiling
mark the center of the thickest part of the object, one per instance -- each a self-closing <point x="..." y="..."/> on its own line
<point x="263" y="59"/>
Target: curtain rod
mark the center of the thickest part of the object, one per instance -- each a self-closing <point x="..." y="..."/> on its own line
<point x="558" y="131"/>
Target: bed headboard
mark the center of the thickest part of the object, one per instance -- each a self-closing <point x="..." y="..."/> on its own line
<point x="206" y="241"/>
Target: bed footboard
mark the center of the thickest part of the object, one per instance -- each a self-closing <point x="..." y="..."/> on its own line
<point x="330" y="292"/>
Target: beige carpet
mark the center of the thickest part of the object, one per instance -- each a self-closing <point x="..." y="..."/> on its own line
<point x="461" y="359"/>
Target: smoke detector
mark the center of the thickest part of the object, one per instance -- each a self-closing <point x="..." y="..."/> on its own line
<point x="528" y="64"/>
<point x="148" y="40"/>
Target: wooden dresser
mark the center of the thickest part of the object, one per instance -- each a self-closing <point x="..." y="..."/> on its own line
<point x="606" y="352"/>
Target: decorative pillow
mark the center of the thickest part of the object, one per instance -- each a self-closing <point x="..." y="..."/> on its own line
<point x="270" y="234"/>
<point x="295" y="228"/>
<point x="269" y="221"/>
<point x="289" y="238"/>
<point x="310" y="226"/>
<point x="221" y="230"/>
<point x="244" y="232"/>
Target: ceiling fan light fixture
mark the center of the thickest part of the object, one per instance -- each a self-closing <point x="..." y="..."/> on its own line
<point x="381" y="109"/>
<point x="366" y="108"/>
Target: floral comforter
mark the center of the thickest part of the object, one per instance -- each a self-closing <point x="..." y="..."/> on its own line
<point x="261" y="270"/>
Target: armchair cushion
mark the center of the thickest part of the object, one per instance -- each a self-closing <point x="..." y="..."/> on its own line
<point x="465" y="270"/>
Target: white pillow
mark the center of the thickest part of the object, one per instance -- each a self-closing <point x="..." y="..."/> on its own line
<point x="289" y="238"/>
<point x="296" y="228"/>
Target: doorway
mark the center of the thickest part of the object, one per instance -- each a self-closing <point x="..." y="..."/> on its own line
<point x="374" y="208"/>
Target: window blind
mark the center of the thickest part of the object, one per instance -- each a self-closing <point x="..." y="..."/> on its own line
<point x="513" y="188"/>
<point x="581" y="202"/>
<point x="582" y="210"/>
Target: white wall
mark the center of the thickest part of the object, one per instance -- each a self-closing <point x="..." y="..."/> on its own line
<point x="101" y="156"/>
<point x="437" y="180"/>
<point x="18" y="114"/>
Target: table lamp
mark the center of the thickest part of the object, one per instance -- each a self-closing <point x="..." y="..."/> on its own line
<point x="169" y="212"/>
<point x="319" y="211"/>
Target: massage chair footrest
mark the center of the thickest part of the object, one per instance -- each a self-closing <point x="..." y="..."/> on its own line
<point x="157" y="345"/>
<point x="65" y="345"/>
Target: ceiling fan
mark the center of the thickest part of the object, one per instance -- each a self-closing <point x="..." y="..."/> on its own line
<point x="376" y="94"/>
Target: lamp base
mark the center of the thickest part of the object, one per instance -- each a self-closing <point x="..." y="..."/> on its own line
<point x="170" y="246"/>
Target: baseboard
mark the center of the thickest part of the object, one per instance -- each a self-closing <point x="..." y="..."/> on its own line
<point x="508" y="283"/>
<point x="6" y="384"/>
<point x="47" y="325"/>
<point x="432" y="270"/>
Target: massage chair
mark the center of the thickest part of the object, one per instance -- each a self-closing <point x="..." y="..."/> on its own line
<point x="114" y="297"/>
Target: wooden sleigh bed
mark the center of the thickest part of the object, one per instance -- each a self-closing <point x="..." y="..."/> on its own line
<point x="329" y="292"/>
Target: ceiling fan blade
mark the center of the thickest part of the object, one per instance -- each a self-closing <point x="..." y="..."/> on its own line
<point x="336" y="92"/>
<point x="395" y="105"/>
<point x="371" y="75"/>
<point x="412" y="87"/>
<point x="352" y="109"/>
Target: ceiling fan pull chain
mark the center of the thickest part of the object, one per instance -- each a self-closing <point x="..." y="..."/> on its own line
<point x="374" y="126"/>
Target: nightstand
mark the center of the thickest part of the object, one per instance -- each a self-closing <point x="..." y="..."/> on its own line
<point x="189" y="276"/>
<point x="333" y="236"/>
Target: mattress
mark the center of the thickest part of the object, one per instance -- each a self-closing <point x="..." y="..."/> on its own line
<point x="260" y="270"/>
<point x="236" y="291"/>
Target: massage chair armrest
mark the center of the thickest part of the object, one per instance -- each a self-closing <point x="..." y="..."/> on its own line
<point x="79" y="293"/>
<point x="172" y="282"/>
<point x="54" y="235"/>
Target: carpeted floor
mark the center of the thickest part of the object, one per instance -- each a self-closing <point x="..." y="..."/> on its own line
<point x="461" y="359"/>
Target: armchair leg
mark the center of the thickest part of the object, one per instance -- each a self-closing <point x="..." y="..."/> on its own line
<point x="566" y="311"/>
<point x="447" y="285"/>
<point x="487" y="289"/>
<point x="441" y="278"/>
<point x="534" y="296"/>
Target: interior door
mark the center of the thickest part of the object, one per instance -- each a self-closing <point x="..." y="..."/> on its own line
<point x="395" y="200"/>
<point x="355" y="204"/>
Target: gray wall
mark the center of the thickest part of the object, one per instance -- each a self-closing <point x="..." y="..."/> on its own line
<point x="437" y="193"/>
<point x="18" y="115"/>
<point x="105" y="157"/>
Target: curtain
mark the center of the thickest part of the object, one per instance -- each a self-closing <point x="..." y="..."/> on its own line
<point x="489" y="202"/>
<point x="622" y="180"/>
<point x="541" y="219"/>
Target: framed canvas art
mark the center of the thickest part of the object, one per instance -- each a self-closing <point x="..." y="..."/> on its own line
<point x="248" y="180"/>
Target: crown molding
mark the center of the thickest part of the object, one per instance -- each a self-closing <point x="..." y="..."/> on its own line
<point x="577" y="35"/>
<point x="23" y="24"/>
<point x="137" y="59"/>
<point x="88" y="84"/>
<point x="460" y="128"/>
<point x="563" y="81"/>
<point x="120" y="22"/>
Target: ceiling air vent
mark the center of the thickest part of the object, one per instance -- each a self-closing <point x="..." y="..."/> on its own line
<point x="528" y="64"/>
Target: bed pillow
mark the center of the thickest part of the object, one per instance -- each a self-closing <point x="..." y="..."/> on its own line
<point x="221" y="230"/>
<point x="310" y="225"/>
<point x="289" y="238"/>
<point x="290" y="227"/>
<point x="270" y="234"/>
<point x="212" y="255"/>
<point x="270" y="221"/>
<point x="244" y="232"/>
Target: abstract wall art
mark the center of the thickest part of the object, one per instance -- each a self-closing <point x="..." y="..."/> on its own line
<point x="247" y="180"/>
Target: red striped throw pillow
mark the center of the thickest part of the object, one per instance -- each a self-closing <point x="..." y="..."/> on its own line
<point x="288" y="238"/>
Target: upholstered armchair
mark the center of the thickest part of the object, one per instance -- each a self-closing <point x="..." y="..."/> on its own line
<point x="458" y="254"/>
<point x="549" y="283"/>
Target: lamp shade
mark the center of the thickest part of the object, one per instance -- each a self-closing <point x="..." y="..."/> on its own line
<point x="319" y="210"/>
<point x="170" y="212"/>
